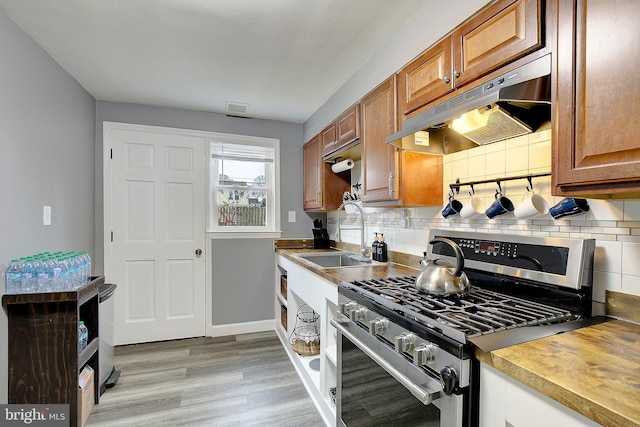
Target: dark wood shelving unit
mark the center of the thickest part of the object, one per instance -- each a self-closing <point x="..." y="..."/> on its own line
<point x="44" y="361"/>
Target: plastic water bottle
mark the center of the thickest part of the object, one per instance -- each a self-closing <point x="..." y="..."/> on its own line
<point x="55" y="266"/>
<point x="45" y="274"/>
<point x="13" y="277"/>
<point x="29" y="276"/>
<point x="87" y="266"/>
<point x="64" y="283"/>
<point x="83" y="336"/>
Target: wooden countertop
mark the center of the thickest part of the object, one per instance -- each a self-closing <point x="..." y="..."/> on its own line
<point x="594" y="370"/>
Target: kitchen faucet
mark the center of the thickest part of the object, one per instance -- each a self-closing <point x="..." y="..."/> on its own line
<point x="363" y="249"/>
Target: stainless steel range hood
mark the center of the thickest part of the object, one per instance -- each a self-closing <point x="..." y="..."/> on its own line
<point x="513" y="104"/>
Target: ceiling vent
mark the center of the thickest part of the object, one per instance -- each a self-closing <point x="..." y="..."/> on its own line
<point x="237" y="108"/>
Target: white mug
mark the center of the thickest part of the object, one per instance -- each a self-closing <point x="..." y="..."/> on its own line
<point x="531" y="206"/>
<point x="474" y="207"/>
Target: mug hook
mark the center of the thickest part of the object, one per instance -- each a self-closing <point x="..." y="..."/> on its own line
<point x="473" y="191"/>
<point x="530" y="186"/>
<point x="499" y="190"/>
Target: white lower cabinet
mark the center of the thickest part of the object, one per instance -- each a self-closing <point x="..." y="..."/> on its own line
<point x="507" y="402"/>
<point x="304" y="287"/>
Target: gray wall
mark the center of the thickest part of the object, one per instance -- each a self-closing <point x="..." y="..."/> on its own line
<point x="243" y="280"/>
<point x="47" y="142"/>
<point x="230" y="258"/>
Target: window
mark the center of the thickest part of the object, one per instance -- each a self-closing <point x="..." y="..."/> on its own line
<point x="243" y="190"/>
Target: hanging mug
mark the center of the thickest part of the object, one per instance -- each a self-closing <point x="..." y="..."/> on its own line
<point x="531" y="205"/>
<point x="500" y="206"/>
<point x="569" y="206"/>
<point x="452" y="208"/>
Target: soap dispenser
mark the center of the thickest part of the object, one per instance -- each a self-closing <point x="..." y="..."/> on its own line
<point x="382" y="250"/>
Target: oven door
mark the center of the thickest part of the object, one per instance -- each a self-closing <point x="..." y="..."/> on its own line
<point x="378" y="387"/>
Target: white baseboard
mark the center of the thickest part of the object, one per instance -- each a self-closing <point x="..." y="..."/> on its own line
<point x="241" y="328"/>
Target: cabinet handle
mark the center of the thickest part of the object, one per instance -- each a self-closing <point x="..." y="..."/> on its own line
<point x="446" y="79"/>
<point x="318" y="196"/>
<point x="456" y="74"/>
<point x="391" y="189"/>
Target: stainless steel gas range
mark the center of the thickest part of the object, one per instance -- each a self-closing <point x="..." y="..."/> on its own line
<point x="406" y="357"/>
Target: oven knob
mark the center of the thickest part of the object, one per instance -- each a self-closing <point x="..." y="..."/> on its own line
<point x="424" y="354"/>
<point x="358" y="314"/>
<point x="378" y="326"/>
<point x="449" y="378"/>
<point x="404" y="342"/>
<point x="347" y="307"/>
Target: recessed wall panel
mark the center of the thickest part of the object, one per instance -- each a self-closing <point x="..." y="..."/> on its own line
<point x="180" y="226"/>
<point x="180" y="289"/>
<point x="140" y="287"/>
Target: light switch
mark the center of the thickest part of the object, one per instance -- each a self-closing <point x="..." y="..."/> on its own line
<point x="46" y="215"/>
<point x="292" y="216"/>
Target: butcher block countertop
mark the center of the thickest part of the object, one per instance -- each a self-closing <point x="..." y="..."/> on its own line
<point x="593" y="370"/>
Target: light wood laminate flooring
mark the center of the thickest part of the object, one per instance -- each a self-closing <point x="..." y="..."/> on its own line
<point x="242" y="380"/>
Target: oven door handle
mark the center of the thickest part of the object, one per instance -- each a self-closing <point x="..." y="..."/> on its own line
<point x="424" y="396"/>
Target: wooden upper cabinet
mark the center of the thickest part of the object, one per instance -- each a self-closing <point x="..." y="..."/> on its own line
<point x="500" y="33"/>
<point x="322" y="188"/>
<point x="496" y="36"/>
<point x="378" y="157"/>
<point x="427" y="78"/>
<point x="393" y="177"/>
<point x="342" y="132"/>
<point x="312" y="174"/>
<point x="596" y="145"/>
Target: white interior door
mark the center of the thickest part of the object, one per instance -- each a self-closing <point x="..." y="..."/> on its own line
<point x="158" y="232"/>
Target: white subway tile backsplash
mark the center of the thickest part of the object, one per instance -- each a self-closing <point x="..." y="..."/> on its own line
<point x="632" y="210"/>
<point x="631" y="258"/>
<point x="605" y="281"/>
<point x="605" y="210"/>
<point x="631" y="284"/>
<point x="608" y="257"/>
<point x="518" y="160"/>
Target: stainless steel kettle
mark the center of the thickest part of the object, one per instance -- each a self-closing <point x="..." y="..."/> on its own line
<point x="443" y="279"/>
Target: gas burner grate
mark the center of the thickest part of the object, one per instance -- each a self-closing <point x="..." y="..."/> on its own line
<point x="480" y="312"/>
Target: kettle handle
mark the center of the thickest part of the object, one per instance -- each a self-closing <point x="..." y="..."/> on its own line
<point x="457" y="250"/>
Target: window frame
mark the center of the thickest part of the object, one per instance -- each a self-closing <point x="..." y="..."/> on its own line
<point x="272" y="227"/>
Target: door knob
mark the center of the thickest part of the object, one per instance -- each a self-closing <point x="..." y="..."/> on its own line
<point x="198" y="252"/>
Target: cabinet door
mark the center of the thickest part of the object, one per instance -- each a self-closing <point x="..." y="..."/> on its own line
<point x="348" y="126"/>
<point x="425" y="79"/>
<point x="312" y="172"/>
<point x="329" y="139"/>
<point x="503" y="32"/>
<point x="597" y="150"/>
<point x="378" y="158"/>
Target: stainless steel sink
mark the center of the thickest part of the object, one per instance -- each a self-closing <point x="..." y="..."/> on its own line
<point x="335" y="259"/>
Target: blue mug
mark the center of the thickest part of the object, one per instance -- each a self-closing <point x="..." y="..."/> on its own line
<point x="500" y="206"/>
<point x="569" y="206"/>
<point x="453" y="208"/>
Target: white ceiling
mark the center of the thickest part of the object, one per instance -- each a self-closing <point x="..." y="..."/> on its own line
<point x="284" y="58"/>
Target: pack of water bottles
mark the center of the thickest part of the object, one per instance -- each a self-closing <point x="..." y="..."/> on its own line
<point x="48" y="272"/>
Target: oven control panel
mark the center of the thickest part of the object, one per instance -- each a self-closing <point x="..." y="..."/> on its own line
<point x="508" y="253"/>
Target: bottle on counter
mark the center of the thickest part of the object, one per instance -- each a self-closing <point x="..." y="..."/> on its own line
<point x="13" y="277"/>
<point x="382" y="256"/>
<point x="374" y="247"/>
